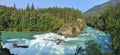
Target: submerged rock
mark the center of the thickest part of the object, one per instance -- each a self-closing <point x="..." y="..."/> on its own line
<point x="20" y="46"/>
<point x="60" y="41"/>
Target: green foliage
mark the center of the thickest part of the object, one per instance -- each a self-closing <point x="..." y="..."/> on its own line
<point x="108" y="21"/>
<point x="80" y="51"/>
<point x="31" y="19"/>
<point x="92" y="48"/>
<point x="74" y="29"/>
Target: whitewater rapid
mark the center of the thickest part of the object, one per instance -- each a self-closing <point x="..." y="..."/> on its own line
<point x="45" y="44"/>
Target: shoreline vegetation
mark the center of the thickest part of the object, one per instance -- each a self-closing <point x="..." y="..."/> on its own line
<point x="45" y="20"/>
<point x="109" y="22"/>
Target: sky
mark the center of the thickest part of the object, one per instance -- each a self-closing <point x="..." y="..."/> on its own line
<point x="82" y="5"/>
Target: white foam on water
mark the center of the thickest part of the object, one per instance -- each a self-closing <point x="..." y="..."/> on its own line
<point x="45" y="44"/>
<point x="49" y="36"/>
<point x="8" y="46"/>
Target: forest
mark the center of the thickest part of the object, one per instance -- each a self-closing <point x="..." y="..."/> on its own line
<point x="108" y="21"/>
<point x="31" y="19"/>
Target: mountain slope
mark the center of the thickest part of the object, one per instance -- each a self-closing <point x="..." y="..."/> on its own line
<point x="101" y="7"/>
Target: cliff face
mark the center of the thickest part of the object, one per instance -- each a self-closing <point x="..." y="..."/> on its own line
<point x="71" y="29"/>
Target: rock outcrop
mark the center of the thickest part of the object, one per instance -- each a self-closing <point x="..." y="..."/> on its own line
<point x="5" y="51"/>
<point x="71" y="29"/>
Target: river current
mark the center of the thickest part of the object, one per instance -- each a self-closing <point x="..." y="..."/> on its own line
<point x="55" y="44"/>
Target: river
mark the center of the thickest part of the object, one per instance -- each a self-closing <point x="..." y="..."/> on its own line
<point x="52" y="43"/>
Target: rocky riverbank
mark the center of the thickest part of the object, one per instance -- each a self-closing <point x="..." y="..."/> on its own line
<point x="5" y="51"/>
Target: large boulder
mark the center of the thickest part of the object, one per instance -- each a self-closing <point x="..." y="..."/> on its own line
<point x="5" y="51"/>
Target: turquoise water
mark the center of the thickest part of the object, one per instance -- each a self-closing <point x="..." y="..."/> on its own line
<point x="11" y="35"/>
<point x="44" y="43"/>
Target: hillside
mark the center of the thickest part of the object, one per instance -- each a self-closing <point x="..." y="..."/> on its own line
<point x="101" y="7"/>
<point x="108" y="21"/>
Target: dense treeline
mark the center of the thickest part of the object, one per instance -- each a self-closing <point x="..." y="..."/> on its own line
<point x="31" y="19"/>
<point x="108" y="21"/>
